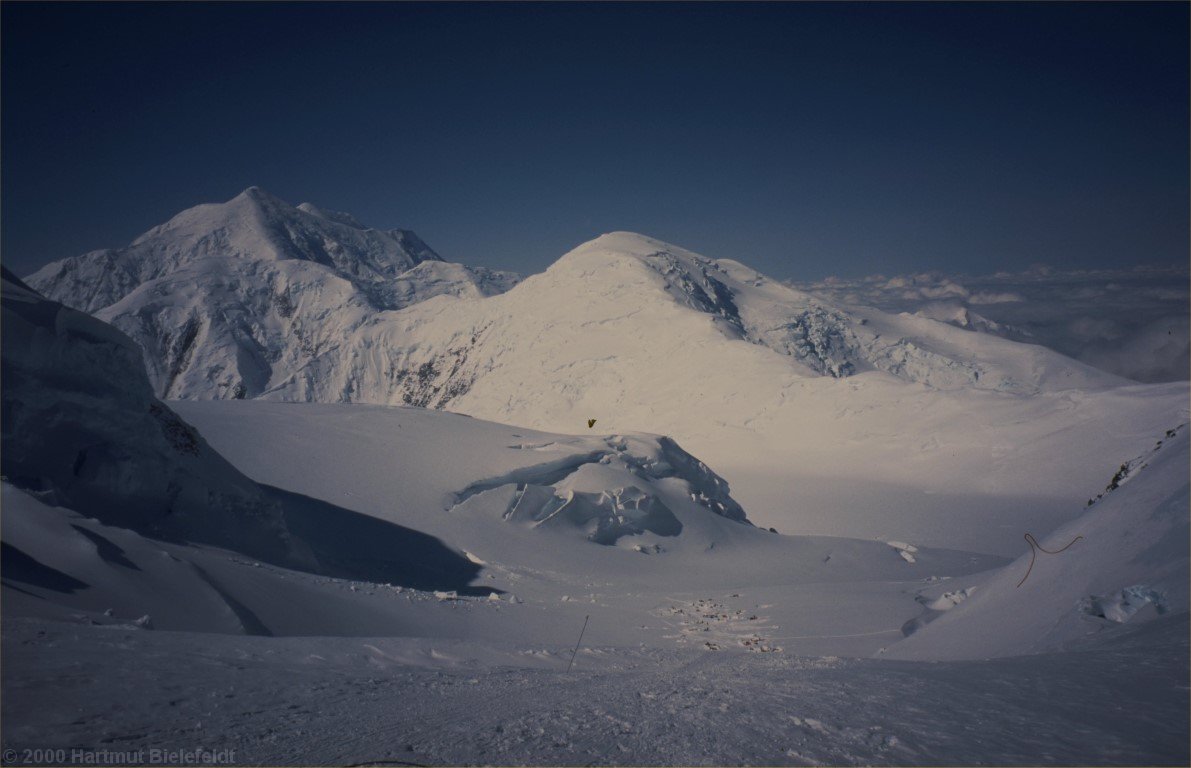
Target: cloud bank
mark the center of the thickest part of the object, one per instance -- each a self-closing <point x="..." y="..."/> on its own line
<point x="1133" y="323"/>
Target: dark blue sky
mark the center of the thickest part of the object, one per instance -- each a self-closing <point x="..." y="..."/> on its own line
<point x="804" y="139"/>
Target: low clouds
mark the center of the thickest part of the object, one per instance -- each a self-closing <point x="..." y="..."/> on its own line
<point x="1133" y="323"/>
<point x="988" y="297"/>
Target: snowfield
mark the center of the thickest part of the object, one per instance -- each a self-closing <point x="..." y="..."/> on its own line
<point x="347" y="504"/>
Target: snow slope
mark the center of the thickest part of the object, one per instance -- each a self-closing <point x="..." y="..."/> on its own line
<point x="82" y="429"/>
<point x="1126" y="562"/>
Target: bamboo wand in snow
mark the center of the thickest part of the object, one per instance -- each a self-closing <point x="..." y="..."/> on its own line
<point x="585" y="618"/>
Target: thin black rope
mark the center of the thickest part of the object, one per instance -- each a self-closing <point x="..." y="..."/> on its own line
<point x="1035" y="545"/>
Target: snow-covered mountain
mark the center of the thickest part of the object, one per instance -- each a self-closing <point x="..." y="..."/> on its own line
<point x="253" y="226"/>
<point x="226" y="298"/>
<point x="257" y="298"/>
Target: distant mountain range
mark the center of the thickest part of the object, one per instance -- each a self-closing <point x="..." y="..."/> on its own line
<point x="1134" y="323"/>
<point x="256" y="298"/>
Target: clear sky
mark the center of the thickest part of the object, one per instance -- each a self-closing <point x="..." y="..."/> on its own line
<point x="803" y="139"/>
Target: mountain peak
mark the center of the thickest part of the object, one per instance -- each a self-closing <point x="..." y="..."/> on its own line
<point x="252" y="228"/>
<point x="622" y="241"/>
<point x="260" y="195"/>
<point x="628" y="252"/>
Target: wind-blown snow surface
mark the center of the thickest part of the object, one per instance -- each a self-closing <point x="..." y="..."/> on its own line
<point x="331" y="701"/>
